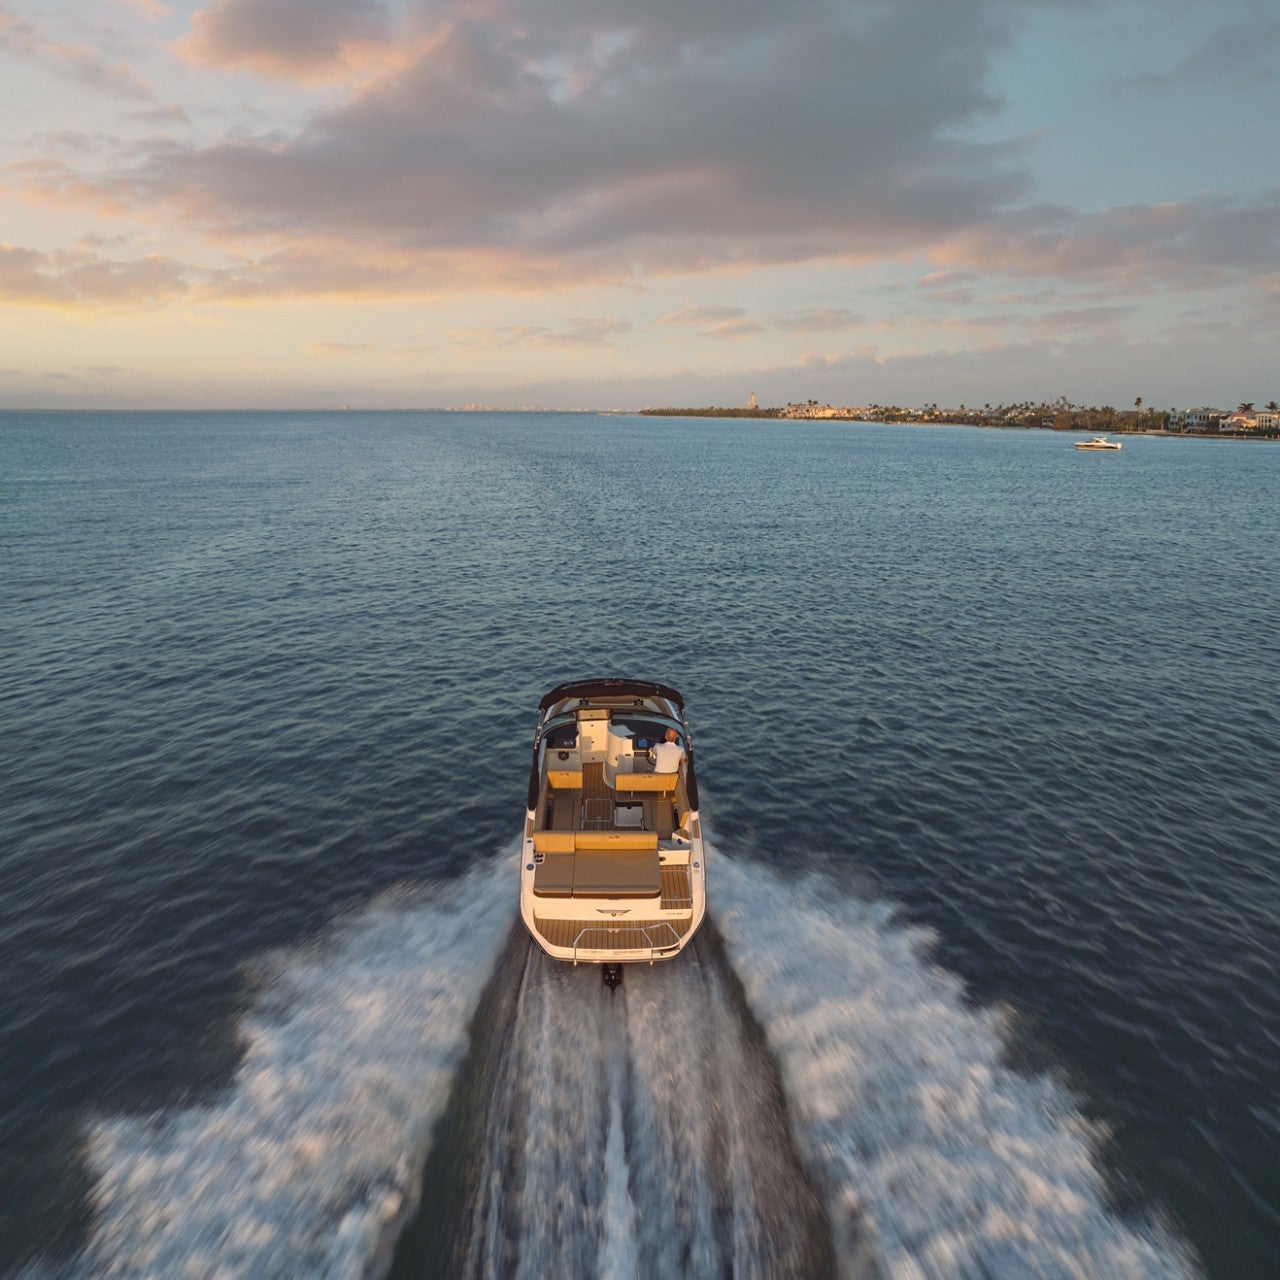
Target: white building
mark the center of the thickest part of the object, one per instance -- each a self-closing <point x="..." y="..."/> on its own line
<point x="1195" y="419"/>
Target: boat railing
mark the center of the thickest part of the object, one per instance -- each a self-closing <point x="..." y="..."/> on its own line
<point x="646" y="937"/>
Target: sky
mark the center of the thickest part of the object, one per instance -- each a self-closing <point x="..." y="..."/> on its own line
<point x="620" y="203"/>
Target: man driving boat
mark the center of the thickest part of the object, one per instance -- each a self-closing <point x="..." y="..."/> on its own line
<point x="669" y="755"/>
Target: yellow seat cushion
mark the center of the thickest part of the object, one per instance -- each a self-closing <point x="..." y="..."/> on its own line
<point x="565" y="779"/>
<point x="638" y="840"/>
<point x="553" y="842"/>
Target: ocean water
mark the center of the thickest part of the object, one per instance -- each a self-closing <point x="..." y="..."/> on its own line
<point x="988" y="744"/>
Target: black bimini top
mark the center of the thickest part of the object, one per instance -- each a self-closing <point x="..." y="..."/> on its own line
<point x="611" y="687"/>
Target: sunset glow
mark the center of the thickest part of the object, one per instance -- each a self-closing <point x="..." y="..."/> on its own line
<point x="314" y="203"/>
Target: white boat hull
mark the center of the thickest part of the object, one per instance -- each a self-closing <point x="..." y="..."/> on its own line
<point x="612" y="860"/>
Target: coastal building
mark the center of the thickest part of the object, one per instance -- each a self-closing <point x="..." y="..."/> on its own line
<point x="1239" y="422"/>
<point x="751" y="401"/>
<point x="1196" y="419"/>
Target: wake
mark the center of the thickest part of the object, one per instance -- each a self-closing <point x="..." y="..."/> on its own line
<point x="938" y="1161"/>
<point x="409" y="1085"/>
<point x="314" y="1153"/>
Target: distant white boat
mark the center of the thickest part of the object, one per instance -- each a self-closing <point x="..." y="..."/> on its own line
<point x="1098" y="442"/>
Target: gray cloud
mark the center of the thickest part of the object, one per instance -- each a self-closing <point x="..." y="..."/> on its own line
<point x="819" y="320"/>
<point x="67" y="278"/>
<point x="1239" y="51"/>
<point x="705" y="315"/>
<point x="618" y="138"/>
<point x="530" y="143"/>
<point x="285" y="37"/>
<point x="78" y="62"/>
<point x="580" y="331"/>
<point x="1203" y="242"/>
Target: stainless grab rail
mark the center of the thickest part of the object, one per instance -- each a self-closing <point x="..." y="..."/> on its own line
<point x="614" y="932"/>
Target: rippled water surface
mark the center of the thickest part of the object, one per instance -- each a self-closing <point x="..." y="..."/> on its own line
<point x="987" y="737"/>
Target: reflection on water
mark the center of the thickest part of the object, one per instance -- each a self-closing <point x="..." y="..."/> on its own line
<point x="256" y="670"/>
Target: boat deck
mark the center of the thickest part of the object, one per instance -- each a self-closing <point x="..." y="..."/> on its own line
<point x="596" y="806"/>
<point x="595" y="935"/>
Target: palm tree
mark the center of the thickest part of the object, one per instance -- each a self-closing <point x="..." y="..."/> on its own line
<point x="1137" y="404"/>
<point x="1272" y="407"/>
<point x="1245" y="406"/>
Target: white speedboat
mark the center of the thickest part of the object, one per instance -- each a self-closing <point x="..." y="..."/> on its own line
<point x="1098" y="442"/>
<point x="613" y="869"/>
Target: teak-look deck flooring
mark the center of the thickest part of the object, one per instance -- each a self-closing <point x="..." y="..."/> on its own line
<point x="608" y="935"/>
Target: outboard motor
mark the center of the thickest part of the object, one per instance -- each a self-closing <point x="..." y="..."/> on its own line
<point x="611" y="974"/>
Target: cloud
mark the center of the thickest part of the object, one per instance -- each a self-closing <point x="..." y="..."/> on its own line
<point x="173" y="113"/>
<point x="1091" y="320"/>
<point x="819" y="320"/>
<point x="78" y="62"/>
<point x="734" y="329"/>
<point x="1238" y="52"/>
<point x="580" y="331"/>
<point x="607" y="142"/>
<point x="75" y="279"/>
<point x="714" y="321"/>
<point x="534" y="144"/>
<point x="341" y="348"/>
<point x="1199" y="243"/>
<point x="287" y="39"/>
<point x="945" y="280"/>
<point x="705" y="315"/>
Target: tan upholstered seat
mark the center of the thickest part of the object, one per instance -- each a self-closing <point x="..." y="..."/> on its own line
<point x="621" y="873"/>
<point x="633" y="782"/>
<point x="553" y="876"/>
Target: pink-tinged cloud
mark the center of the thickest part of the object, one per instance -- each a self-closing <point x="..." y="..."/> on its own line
<point x="609" y="141"/>
<point x="820" y="320"/>
<point x="705" y="315"/>
<point x="69" y="279"/>
<point x="85" y="65"/>
<point x="287" y="39"/>
<point x="1090" y="320"/>
<point x="537" y="143"/>
<point x="580" y="331"/>
<point x="734" y="329"/>
<point x="945" y="280"/>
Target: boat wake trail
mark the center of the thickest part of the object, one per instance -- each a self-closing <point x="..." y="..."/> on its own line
<point x="307" y="1162"/>
<point x="936" y="1160"/>
<point x="799" y="1094"/>
<point x="628" y="1135"/>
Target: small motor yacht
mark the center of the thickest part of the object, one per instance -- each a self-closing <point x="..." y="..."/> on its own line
<point x="1098" y="442"/>
<point x="612" y="867"/>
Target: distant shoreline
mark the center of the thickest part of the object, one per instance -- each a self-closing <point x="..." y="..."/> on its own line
<point x="1089" y="421"/>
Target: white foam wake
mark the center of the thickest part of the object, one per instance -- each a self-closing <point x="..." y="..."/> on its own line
<point x="312" y="1154"/>
<point x="937" y="1161"/>
<point x="635" y="1135"/>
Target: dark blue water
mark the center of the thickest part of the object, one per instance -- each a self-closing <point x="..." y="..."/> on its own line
<point x="987" y="734"/>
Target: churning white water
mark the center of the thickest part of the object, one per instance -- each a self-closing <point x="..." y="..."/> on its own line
<point x="643" y="1134"/>
<point x="316" y="1146"/>
<point x="936" y="1160"/>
